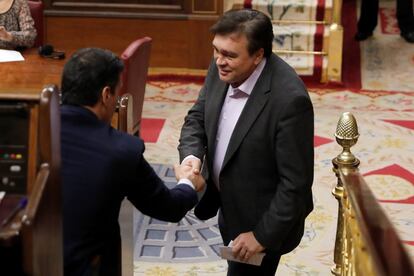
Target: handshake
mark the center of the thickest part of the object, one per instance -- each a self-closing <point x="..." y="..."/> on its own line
<point x="190" y="170"/>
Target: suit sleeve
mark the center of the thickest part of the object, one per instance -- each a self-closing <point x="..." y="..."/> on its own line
<point x="193" y="139"/>
<point x="292" y="201"/>
<point x="153" y="198"/>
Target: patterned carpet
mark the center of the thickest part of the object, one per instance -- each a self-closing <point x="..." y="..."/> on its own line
<point x="385" y="149"/>
<point x="384" y="109"/>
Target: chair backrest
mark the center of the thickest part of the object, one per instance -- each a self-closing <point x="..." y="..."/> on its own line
<point x="136" y="59"/>
<point x="31" y="242"/>
<point x="36" y="10"/>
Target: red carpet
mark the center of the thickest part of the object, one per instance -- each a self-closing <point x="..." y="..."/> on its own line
<point x="150" y="129"/>
<point x="351" y="57"/>
<point x="402" y="123"/>
<point x="319" y="141"/>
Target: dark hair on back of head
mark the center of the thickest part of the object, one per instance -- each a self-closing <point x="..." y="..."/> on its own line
<point x="86" y="73"/>
<point x="254" y="24"/>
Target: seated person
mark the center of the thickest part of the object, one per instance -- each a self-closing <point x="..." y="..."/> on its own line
<point x="16" y="25"/>
<point x="101" y="166"/>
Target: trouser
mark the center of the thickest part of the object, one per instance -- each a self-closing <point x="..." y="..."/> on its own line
<point x="267" y="268"/>
<point x="369" y="15"/>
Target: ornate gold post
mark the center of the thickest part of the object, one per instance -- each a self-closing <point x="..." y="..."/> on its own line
<point x="346" y="136"/>
<point x="335" y="46"/>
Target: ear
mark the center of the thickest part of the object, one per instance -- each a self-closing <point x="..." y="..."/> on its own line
<point x="259" y="56"/>
<point x="106" y="95"/>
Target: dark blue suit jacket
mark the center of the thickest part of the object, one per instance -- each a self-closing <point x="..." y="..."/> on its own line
<point x="101" y="166"/>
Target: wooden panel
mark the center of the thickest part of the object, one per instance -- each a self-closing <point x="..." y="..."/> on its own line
<point x="176" y="43"/>
<point x="202" y="6"/>
<point x="123" y="8"/>
<point x="139" y="2"/>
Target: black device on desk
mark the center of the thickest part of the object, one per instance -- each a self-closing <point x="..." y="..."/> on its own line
<point x="48" y="51"/>
<point x="14" y="129"/>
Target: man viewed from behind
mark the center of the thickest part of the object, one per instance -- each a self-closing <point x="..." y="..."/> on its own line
<point x="101" y="166"/>
<point x="253" y="127"/>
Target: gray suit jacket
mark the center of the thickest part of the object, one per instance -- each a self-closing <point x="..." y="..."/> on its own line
<point x="267" y="173"/>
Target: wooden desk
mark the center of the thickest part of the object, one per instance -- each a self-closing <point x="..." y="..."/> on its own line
<point x="32" y="242"/>
<point x="25" y="79"/>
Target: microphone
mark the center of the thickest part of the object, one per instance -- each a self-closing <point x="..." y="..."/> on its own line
<point x="48" y="52"/>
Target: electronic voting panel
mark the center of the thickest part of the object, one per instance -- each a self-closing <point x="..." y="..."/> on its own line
<point x="14" y="130"/>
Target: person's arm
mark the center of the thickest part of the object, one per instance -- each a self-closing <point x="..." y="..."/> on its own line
<point x="27" y="34"/>
<point x="295" y="161"/>
<point x="153" y="198"/>
<point x="185" y="174"/>
<point x="193" y="140"/>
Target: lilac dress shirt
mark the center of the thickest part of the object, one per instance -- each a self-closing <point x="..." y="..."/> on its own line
<point x="233" y="105"/>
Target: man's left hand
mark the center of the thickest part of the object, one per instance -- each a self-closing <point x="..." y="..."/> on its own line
<point x="245" y="246"/>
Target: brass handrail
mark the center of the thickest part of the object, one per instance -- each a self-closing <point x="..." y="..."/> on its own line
<point x="309" y="22"/>
<point x="281" y="51"/>
<point x="366" y="242"/>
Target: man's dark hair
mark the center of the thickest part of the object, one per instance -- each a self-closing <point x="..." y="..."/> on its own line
<point x="86" y="73"/>
<point x="254" y="24"/>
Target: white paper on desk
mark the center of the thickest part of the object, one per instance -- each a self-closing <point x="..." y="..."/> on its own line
<point x="227" y="254"/>
<point x="2" y="194"/>
<point x="10" y="55"/>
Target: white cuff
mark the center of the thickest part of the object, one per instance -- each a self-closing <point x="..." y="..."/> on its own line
<point x="190" y="157"/>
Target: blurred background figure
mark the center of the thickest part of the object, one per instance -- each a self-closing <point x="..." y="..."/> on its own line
<point x="369" y="17"/>
<point x="16" y="25"/>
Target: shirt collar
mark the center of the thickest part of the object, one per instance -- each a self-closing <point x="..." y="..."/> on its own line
<point x="248" y="85"/>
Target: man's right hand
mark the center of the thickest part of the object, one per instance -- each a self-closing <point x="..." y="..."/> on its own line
<point x="186" y="171"/>
<point x="194" y="163"/>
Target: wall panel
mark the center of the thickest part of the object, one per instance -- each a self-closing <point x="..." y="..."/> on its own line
<point x="176" y="43"/>
<point x="179" y="28"/>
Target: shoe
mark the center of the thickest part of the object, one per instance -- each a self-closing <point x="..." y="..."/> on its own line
<point x="360" y="36"/>
<point x="408" y="36"/>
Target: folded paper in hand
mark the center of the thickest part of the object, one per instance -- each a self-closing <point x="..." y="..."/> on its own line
<point x="226" y="253"/>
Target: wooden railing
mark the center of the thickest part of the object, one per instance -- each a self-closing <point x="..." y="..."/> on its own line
<point x="366" y="241"/>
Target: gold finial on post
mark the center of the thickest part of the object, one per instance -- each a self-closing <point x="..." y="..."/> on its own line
<point x="346" y="135"/>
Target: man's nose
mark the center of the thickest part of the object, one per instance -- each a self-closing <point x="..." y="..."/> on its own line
<point x="220" y="60"/>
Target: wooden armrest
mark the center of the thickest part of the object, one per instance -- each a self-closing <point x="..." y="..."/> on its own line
<point x="125" y="113"/>
<point x="36" y="194"/>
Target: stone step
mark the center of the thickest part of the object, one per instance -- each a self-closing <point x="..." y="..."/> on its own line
<point x="300" y="34"/>
<point x="308" y="10"/>
<point x="299" y="37"/>
<point x="305" y="65"/>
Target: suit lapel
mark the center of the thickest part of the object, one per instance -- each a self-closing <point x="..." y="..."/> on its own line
<point x="255" y="104"/>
